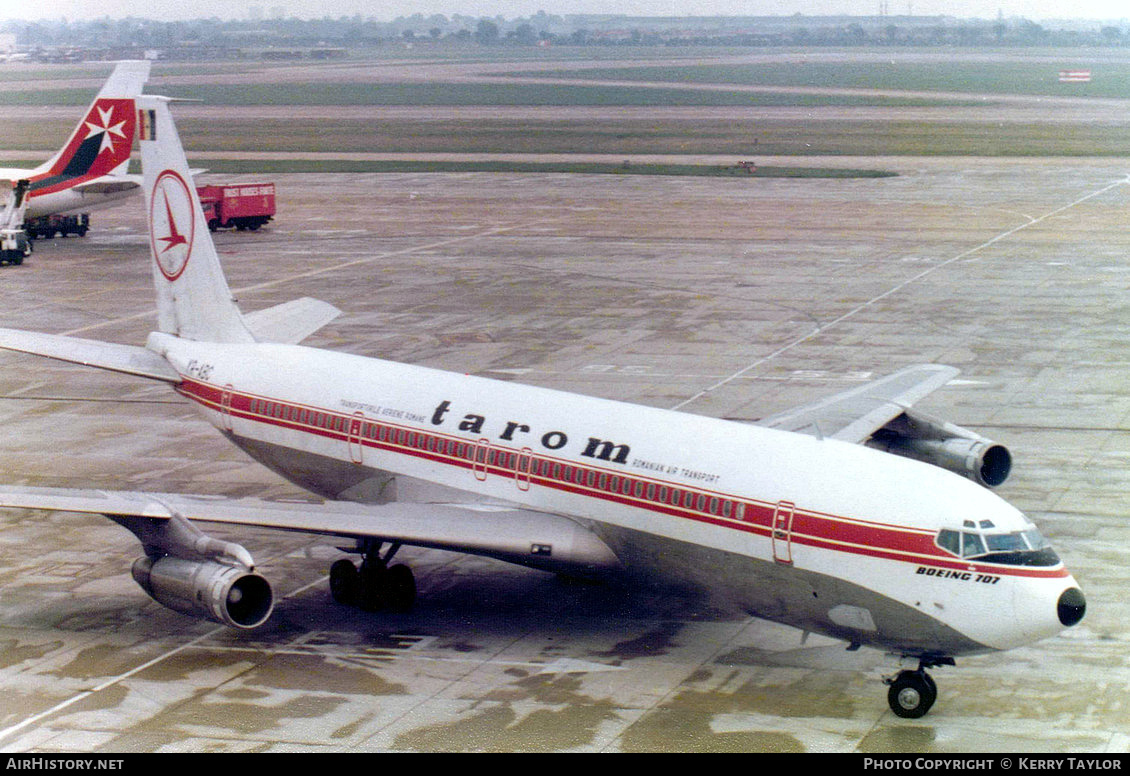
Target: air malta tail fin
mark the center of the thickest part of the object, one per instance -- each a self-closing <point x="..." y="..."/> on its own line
<point x="103" y="139"/>
<point x="193" y="298"/>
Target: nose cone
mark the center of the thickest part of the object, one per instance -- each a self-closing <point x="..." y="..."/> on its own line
<point x="1071" y="607"/>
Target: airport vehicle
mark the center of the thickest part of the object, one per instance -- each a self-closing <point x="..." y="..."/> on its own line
<point x="90" y="170"/>
<point x="15" y="243"/>
<point x="798" y="518"/>
<point x="56" y="224"/>
<point x="239" y="205"/>
<point x="15" y="246"/>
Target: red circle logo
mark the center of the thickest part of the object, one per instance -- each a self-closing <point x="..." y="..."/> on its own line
<point x="172" y="223"/>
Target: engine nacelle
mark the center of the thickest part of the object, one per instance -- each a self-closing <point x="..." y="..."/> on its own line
<point x="219" y="592"/>
<point x="918" y="436"/>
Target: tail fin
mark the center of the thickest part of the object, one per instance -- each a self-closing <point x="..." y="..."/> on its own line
<point x="193" y="298"/>
<point x="103" y="139"/>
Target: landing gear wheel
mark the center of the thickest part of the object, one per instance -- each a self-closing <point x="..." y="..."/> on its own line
<point x="933" y="685"/>
<point x="344" y="582"/>
<point x="374" y="585"/>
<point x="373" y="588"/>
<point x="400" y="588"/>
<point x="912" y="694"/>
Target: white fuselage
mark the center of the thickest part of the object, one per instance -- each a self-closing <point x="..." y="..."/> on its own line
<point x="825" y="535"/>
<point x="63" y="199"/>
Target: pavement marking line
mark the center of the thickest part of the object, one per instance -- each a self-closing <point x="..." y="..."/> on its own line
<point x="104" y="685"/>
<point x="4" y="733"/>
<point x="821" y="328"/>
<point x="324" y="270"/>
<point x="110" y="682"/>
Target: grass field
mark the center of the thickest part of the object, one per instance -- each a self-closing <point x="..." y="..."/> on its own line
<point x="255" y="166"/>
<point x="355" y="93"/>
<point x="740" y="138"/>
<point x="1039" y="76"/>
<point x="979" y="131"/>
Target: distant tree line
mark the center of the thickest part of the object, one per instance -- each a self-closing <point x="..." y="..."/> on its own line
<point x="550" y="29"/>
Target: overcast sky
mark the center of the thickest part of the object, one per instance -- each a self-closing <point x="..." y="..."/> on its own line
<point x="390" y="9"/>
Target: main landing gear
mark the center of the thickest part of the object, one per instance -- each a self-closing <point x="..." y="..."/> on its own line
<point x="912" y="693"/>
<point x="375" y="585"/>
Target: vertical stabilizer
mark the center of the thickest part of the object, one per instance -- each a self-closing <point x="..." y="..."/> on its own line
<point x="102" y="141"/>
<point x="193" y="298"/>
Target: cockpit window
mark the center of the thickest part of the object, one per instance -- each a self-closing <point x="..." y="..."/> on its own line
<point x="950" y="541"/>
<point x="1018" y="548"/>
<point x="1036" y="539"/>
<point x="1013" y="542"/>
<point x="971" y="545"/>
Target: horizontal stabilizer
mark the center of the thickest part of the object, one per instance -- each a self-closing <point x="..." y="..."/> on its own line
<point x="291" y="322"/>
<point x="103" y="355"/>
<point x="537" y="539"/>
<point x="110" y="185"/>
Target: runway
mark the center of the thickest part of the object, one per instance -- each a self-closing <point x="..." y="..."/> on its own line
<point x="726" y="297"/>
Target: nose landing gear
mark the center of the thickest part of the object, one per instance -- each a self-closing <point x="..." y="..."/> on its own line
<point x="912" y="693"/>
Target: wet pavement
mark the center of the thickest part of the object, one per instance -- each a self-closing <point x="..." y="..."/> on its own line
<point x="727" y="297"/>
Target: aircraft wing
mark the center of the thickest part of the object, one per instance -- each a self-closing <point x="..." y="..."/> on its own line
<point x="856" y="414"/>
<point x="526" y="537"/>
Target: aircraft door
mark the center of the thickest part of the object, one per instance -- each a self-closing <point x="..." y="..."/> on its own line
<point x="522" y="468"/>
<point x="481" y="458"/>
<point x="225" y="407"/>
<point x="356" y="447"/>
<point x="783" y="532"/>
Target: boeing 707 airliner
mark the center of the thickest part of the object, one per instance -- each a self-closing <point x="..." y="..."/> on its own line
<point x="857" y="517"/>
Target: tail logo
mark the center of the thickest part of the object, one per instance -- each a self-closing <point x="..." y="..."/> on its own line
<point x="172" y="223"/>
<point x="101" y="143"/>
<point x="107" y="128"/>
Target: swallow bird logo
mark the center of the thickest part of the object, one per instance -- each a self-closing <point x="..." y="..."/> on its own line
<point x="172" y="223"/>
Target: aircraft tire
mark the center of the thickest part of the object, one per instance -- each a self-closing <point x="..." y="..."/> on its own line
<point x="373" y="587"/>
<point x="400" y="588"/>
<point x="344" y="582"/>
<point x="911" y="694"/>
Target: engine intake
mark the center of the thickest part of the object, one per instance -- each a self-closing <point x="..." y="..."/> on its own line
<point x="226" y="594"/>
<point x="918" y="436"/>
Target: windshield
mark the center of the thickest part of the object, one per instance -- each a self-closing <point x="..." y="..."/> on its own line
<point x="1015" y="548"/>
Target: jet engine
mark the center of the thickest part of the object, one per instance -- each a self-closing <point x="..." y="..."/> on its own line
<point x="923" y="438"/>
<point x="191" y="572"/>
<point x="226" y="594"/>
